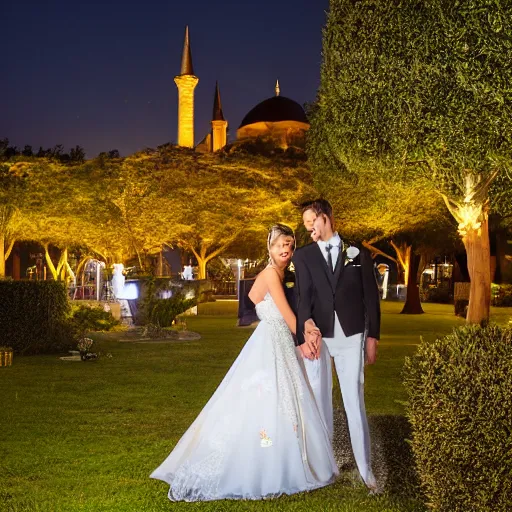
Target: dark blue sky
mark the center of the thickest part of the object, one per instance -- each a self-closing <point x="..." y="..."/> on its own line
<point x="100" y="73"/>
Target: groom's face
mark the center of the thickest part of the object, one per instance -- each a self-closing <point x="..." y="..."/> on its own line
<point x="321" y="228"/>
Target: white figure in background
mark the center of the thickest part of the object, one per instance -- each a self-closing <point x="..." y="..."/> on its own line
<point x="384" y="271"/>
<point x="118" y="279"/>
<point x="188" y="274"/>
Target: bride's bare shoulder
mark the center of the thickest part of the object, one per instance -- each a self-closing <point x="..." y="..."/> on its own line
<point x="268" y="276"/>
<point x="259" y="287"/>
<point x="263" y="282"/>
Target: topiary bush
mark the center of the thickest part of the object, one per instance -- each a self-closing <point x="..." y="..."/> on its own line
<point x="33" y="317"/>
<point x="163" y="312"/>
<point x="460" y="408"/>
<point x="86" y="319"/>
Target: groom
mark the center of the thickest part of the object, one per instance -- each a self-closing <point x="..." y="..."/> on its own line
<point x="338" y="311"/>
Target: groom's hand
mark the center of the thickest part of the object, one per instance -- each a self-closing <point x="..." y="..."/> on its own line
<point x="371" y="350"/>
<point x="313" y="340"/>
<point x="316" y="342"/>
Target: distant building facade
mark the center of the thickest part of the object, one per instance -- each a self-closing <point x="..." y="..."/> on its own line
<point x="279" y="118"/>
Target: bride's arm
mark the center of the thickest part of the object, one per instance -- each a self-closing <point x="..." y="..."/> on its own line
<point x="275" y="287"/>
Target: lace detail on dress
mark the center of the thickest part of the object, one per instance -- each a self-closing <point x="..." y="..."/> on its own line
<point x="289" y="385"/>
<point x="200" y="481"/>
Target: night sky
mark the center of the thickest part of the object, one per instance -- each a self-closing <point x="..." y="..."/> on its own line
<point x="100" y="74"/>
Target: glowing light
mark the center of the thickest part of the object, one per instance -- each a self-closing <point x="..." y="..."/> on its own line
<point x="130" y="292"/>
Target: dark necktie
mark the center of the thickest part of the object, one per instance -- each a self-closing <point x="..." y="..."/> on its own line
<point x="328" y="248"/>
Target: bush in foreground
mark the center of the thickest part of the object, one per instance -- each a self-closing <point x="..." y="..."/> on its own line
<point x="85" y="318"/>
<point x="460" y="409"/>
<point x="33" y="317"/>
<point x="163" y="312"/>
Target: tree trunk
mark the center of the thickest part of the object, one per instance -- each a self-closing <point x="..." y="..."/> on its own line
<point x="412" y="304"/>
<point x="49" y="262"/>
<point x="403" y="254"/>
<point x="9" y="249"/>
<point x="201" y="262"/>
<point x="62" y="269"/>
<point x="2" y="256"/>
<point x="203" y="258"/>
<point x="476" y="242"/>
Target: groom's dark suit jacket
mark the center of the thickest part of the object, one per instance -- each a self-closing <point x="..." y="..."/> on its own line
<point x="351" y="290"/>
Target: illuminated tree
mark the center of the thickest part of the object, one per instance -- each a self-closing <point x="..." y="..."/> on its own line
<point x="116" y="208"/>
<point x="206" y="203"/>
<point x="12" y="191"/>
<point x="62" y="207"/>
<point x="419" y="92"/>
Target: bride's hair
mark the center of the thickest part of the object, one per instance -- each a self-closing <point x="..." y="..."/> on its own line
<point x="275" y="232"/>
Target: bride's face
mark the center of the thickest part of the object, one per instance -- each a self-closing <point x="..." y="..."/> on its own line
<point x="281" y="250"/>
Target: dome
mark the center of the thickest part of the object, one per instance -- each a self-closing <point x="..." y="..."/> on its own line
<point x="275" y="109"/>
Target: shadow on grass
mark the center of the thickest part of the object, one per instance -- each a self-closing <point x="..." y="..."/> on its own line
<point x="392" y="458"/>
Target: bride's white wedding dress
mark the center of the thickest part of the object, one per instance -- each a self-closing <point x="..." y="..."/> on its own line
<point x="260" y="435"/>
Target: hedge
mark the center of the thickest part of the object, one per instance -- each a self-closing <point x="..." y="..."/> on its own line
<point x="33" y="317"/>
<point x="460" y="409"/>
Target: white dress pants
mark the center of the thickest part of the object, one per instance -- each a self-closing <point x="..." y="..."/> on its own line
<point x="349" y="361"/>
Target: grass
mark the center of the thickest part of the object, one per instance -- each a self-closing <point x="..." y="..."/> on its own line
<point x="85" y="436"/>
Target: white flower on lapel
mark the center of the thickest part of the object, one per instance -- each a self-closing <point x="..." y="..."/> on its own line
<point x="352" y="253"/>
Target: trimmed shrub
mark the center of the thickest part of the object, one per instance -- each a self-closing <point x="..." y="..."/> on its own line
<point x="86" y="319"/>
<point x="33" y="317"/>
<point x="163" y="312"/>
<point x="501" y="295"/>
<point x="460" y="409"/>
<point x="439" y="295"/>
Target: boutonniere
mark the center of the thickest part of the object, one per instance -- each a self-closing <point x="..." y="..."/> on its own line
<point x="290" y="284"/>
<point x="351" y="254"/>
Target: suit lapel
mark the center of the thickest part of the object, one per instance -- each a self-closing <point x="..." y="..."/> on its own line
<point x="323" y="264"/>
<point x="340" y="266"/>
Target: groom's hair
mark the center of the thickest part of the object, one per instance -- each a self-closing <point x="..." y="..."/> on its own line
<point x="322" y="206"/>
<point x="307" y="205"/>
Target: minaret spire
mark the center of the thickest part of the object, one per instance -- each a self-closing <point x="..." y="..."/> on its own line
<point x="219" y="124"/>
<point x="278" y="90"/>
<point x="186" y="82"/>
<point x="186" y="58"/>
<point x="217" y="105"/>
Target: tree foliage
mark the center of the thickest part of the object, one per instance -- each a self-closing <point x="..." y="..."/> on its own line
<point x="417" y="93"/>
<point x="117" y="208"/>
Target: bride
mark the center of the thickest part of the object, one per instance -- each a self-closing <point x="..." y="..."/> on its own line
<point x="260" y="435"/>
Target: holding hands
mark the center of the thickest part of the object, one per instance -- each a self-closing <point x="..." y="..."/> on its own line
<point x="313" y="341"/>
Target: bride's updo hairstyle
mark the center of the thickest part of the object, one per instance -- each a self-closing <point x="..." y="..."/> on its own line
<point x="275" y="232"/>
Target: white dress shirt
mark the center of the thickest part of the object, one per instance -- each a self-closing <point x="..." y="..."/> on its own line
<point x="335" y="241"/>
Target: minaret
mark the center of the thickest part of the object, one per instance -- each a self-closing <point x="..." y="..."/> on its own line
<point x="278" y="90"/>
<point x="219" y="124"/>
<point x="186" y="82"/>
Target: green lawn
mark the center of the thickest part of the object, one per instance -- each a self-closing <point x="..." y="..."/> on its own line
<point x="85" y="436"/>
